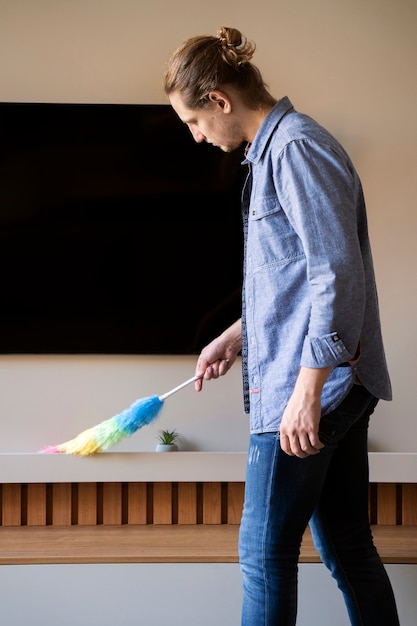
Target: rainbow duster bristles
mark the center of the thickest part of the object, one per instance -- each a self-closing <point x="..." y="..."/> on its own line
<point x="110" y="432"/>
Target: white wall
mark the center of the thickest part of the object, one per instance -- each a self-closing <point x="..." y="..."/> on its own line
<point x="46" y="400"/>
<point x="175" y="594"/>
<point x="350" y="64"/>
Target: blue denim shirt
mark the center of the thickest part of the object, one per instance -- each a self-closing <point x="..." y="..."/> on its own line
<point x="309" y="290"/>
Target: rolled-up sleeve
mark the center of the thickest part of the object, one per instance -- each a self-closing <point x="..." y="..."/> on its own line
<point x="324" y="351"/>
<point x="318" y="190"/>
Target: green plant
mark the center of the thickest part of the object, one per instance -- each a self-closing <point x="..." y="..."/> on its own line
<point x="167" y="437"/>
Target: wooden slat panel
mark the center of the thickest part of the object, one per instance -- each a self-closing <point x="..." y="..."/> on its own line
<point x="87" y="504"/>
<point x="112" y="503"/>
<point x="137" y="503"/>
<point x="387" y="504"/>
<point x="36" y="504"/>
<point x="212" y="503"/>
<point x="162" y="503"/>
<point x="12" y="505"/>
<point x="61" y="504"/>
<point x="187" y="503"/>
<point x="409" y="505"/>
<point x="235" y="497"/>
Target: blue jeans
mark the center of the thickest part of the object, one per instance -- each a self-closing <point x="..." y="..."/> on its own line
<point x="329" y="491"/>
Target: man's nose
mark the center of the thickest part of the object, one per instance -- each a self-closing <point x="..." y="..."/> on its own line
<point x="197" y="135"/>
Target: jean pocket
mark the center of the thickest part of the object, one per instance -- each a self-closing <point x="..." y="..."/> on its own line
<point x="334" y="426"/>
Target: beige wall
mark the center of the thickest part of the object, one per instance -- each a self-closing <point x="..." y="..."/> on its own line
<point x="350" y="64"/>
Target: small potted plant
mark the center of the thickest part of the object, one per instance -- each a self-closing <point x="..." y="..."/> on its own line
<point x="167" y="439"/>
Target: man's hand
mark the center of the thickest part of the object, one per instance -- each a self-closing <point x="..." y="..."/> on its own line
<point x="300" y="421"/>
<point x="218" y="356"/>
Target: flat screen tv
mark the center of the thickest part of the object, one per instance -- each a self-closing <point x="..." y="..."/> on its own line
<point x="118" y="233"/>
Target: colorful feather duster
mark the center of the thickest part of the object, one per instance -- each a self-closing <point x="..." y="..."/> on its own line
<point x="110" y="432"/>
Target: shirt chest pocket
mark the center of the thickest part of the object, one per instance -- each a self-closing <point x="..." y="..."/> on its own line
<point x="271" y="238"/>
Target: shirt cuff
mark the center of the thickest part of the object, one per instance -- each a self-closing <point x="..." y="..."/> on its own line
<point x="326" y="351"/>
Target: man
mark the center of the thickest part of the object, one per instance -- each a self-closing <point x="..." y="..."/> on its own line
<point x="312" y="352"/>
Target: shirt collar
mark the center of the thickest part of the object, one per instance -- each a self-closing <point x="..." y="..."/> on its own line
<point x="255" y="150"/>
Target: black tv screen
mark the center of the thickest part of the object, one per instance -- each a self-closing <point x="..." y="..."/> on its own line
<point x="118" y="233"/>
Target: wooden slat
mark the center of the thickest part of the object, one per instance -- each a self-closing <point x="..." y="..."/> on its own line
<point x="235" y="497"/>
<point x="162" y="503"/>
<point x="409" y="504"/>
<point x="87" y="504"/>
<point x="61" y="504"/>
<point x="387" y="504"/>
<point x="212" y="501"/>
<point x="137" y="503"/>
<point x="36" y="504"/>
<point x="12" y="505"/>
<point x="187" y="503"/>
<point x="112" y="503"/>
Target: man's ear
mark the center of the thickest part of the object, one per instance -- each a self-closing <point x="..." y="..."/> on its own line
<point x="221" y="100"/>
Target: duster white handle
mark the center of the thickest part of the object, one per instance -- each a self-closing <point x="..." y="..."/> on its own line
<point x="184" y="384"/>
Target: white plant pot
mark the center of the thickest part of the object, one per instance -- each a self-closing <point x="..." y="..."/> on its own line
<point x="166" y="448"/>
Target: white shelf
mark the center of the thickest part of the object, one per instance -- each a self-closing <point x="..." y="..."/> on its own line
<point x="124" y="467"/>
<point x="171" y="467"/>
<point x="393" y="467"/>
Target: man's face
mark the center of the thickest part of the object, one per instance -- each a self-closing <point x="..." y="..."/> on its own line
<point x="214" y="124"/>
